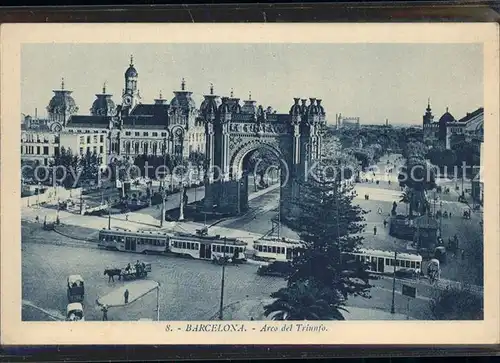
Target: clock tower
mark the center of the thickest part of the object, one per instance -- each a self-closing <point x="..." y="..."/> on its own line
<point x="130" y="97"/>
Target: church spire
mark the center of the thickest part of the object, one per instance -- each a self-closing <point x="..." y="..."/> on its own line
<point x="131" y="60"/>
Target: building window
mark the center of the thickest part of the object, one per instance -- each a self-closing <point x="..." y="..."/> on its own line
<point x="128" y="133"/>
<point x="155" y="134"/>
<point x="56" y="151"/>
<point x="81" y="151"/>
<point x="137" y="134"/>
<point x="88" y="139"/>
<point x="163" y="134"/>
<point x="146" y="134"/>
<point x="101" y="149"/>
<point x="95" y="139"/>
<point x="96" y="131"/>
<point x="102" y="138"/>
<point x="82" y="140"/>
<point x="45" y="150"/>
<point x="38" y="150"/>
<point x="78" y="130"/>
<point x="88" y="149"/>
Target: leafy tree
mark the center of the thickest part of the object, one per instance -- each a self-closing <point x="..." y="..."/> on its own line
<point x="457" y="303"/>
<point x="302" y="301"/>
<point x="66" y="167"/>
<point x="198" y="160"/>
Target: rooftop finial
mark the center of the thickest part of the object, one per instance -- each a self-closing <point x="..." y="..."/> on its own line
<point x="232" y="92"/>
<point x="161" y="97"/>
<point x="446" y="108"/>
<point x="104" y="88"/>
<point x="183" y="84"/>
<point x="250" y="95"/>
<point x="429" y="102"/>
<point x="62" y="83"/>
<point x="131" y="60"/>
<point x="211" y="88"/>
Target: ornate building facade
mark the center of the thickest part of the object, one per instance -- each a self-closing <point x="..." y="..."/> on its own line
<point x="448" y="129"/>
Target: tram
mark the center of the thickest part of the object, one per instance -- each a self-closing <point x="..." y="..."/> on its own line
<point x="129" y="241"/>
<point x="206" y="247"/>
<point x="383" y="261"/>
<point x="276" y="249"/>
<point x="182" y="244"/>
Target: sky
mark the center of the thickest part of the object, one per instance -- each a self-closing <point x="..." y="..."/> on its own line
<point x="374" y="82"/>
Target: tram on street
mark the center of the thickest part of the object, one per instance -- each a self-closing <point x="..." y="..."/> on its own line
<point x="383" y="261"/>
<point x="129" y="241"/>
<point x="276" y="249"/>
<point x="197" y="246"/>
<point x="206" y="247"/>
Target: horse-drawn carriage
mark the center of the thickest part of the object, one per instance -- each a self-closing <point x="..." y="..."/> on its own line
<point x="76" y="288"/>
<point x="131" y="271"/>
<point x="74" y="312"/>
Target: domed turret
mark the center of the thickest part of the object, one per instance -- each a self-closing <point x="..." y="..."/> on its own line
<point x="234" y="103"/>
<point x="183" y="99"/>
<point x="210" y="104"/>
<point x="303" y="106"/>
<point x="103" y="105"/>
<point x="224" y="107"/>
<point x="249" y="106"/>
<point x="62" y="105"/>
<point x="321" y="109"/>
<point x="312" y="110"/>
<point x="295" y="109"/>
<point x="131" y="71"/>
<point x="447" y="117"/>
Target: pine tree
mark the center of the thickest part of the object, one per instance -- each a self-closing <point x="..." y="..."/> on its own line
<point x="329" y="227"/>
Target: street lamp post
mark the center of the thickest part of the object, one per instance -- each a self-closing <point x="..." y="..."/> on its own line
<point x="222" y="282"/>
<point x="394" y="283"/>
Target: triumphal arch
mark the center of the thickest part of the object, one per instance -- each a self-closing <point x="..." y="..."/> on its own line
<point x="234" y="131"/>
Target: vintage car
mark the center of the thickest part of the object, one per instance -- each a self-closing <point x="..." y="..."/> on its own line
<point x="74" y="312"/>
<point x="76" y="288"/>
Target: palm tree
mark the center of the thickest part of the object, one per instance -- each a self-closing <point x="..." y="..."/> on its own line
<point x="303" y="301"/>
<point x="406" y="198"/>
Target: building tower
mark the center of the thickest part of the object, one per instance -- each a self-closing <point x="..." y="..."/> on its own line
<point x="130" y="97"/>
<point x="428" y="117"/>
<point x="103" y="105"/>
<point x="61" y="106"/>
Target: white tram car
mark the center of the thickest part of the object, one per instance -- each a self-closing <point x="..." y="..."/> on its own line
<point x="206" y="247"/>
<point x="276" y="249"/>
<point x="383" y="261"/>
<point x="130" y="241"/>
<point x="182" y="244"/>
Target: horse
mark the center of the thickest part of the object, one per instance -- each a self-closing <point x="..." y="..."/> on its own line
<point x="112" y="272"/>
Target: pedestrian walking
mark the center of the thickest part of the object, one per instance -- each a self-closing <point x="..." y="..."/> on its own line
<point x="379" y="210"/>
<point x="105" y="313"/>
<point x="462" y="253"/>
<point x="126" y="217"/>
<point x="125" y="295"/>
<point x="385" y="223"/>
<point x="37" y="219"/>
<point x="375" y="230"/>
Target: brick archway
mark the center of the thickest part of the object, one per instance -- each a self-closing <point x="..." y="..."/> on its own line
<point x="294" y="138"/>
